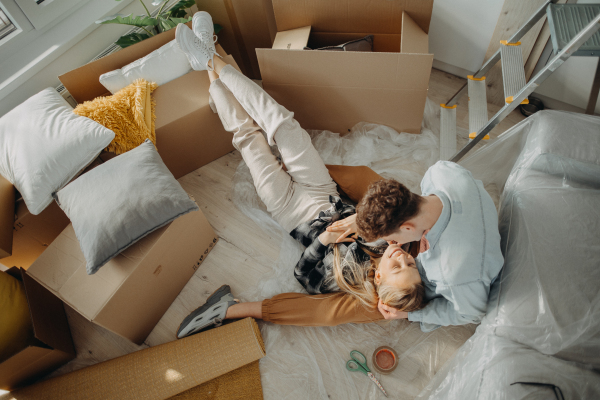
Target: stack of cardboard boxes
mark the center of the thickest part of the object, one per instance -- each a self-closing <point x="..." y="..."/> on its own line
<point x="325" y="89"/>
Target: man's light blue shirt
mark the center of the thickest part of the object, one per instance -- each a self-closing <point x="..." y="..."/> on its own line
<point x="464" y="256"/>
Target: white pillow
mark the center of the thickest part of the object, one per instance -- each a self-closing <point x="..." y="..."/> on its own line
<point x="43" y="145"/>
<point x="161" y="66"/>
<point x="119" y="202"/>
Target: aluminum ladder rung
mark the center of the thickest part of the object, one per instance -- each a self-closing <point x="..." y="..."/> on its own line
<point x="447" y="132"/>
<point x="478" y="113"/>
<point x="513" y="69"/>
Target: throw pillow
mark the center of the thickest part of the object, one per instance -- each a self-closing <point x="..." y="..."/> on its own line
<point x="161" y="66"/>
<point x="119" y="202"/>
<point x="43" y="145"/>
<point x="129" y="114"/>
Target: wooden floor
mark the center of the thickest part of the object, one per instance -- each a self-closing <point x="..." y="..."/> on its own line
<point x="240" y="256"/>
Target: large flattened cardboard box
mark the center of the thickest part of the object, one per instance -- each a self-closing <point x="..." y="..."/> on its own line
<point x="334" y="90"/>
<point x="188" y="133"/>
<point x="129" y="294"/>
<point x="246" y="26"/>
<point x="51" y="329"/>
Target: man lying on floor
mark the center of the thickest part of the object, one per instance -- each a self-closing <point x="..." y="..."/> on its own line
<point x="348" y="279"/>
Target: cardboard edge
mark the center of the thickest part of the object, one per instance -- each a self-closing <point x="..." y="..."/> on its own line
<point x="7" y="217"/>
<point x="48" y="311"/>
<point x="413" y="39"/>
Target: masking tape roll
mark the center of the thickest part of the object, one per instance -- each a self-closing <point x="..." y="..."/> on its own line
<point x="385" y="360"/>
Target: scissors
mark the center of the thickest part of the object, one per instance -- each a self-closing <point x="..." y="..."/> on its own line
<point x="359" y="364"/>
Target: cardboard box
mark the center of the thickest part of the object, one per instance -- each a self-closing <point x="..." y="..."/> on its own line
<point x="50" y="327"/>
<point x="247" y="25"/>
<point x="129" y="294"/>
<point x="32" y="234"/>
<point x="334" y="90"/>
<point x="167" y="370"/>
<point x="188" y="134"/>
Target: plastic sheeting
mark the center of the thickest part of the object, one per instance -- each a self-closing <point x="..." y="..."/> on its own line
<point x="309" y="363"/>
<point x="543" y="319"/>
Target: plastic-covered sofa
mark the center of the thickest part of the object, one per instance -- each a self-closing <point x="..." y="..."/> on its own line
<point x="541" y="335"/>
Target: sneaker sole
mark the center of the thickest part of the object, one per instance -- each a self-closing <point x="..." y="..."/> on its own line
<point x="211" y="301"/>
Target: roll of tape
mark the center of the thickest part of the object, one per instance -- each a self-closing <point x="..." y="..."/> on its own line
<point x="385" y="360"/>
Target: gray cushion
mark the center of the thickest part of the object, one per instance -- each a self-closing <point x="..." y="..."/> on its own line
<point x="121" y="201"/>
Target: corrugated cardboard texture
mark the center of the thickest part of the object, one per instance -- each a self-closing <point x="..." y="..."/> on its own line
<point x="7" y="217"/>
<point x="351" y="16"/>
<point x="130" y="293"/>
<point x="32" y="234"/>
<point x="247" y="25"/>
<point x="158" y="372"/>
<point x="336" y="90"/>
<point x="50" y="327"/>
<point x="240" y="384"/>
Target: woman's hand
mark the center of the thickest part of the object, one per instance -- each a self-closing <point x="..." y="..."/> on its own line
<point x="390" y="312"/>
<point x="328" y="238"/>
<point x="344" y="228"/>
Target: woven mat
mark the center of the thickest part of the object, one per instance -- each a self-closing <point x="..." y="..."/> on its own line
<point x="240" y="384"/>
<point x="161" y="372"/>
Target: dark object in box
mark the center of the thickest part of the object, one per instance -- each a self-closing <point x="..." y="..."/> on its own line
<point x="50" y="327"/>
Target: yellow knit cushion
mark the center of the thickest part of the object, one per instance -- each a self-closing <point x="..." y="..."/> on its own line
<point x="16" y="329"/>
<point x="129" y="113"/>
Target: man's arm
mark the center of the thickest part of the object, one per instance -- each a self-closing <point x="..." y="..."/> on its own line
<point x="468" y="306"/>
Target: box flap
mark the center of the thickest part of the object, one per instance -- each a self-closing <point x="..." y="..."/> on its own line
<point x="28" y="365"/>
<point x="294" y="39"/>
<point x="48" y="316"/>
<point x="413" y="39"/>
<point x="345" y="69"/>
<point x="351" y="16"/>
<point x="7" y="217"/>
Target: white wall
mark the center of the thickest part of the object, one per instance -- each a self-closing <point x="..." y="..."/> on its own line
<point x="461" y="31"/>
<point x="21" y="79"/>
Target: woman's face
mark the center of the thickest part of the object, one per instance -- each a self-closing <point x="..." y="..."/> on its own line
<point x="397" y="268"/>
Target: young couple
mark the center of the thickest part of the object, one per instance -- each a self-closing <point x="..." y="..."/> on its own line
<point x="349" y="278"/>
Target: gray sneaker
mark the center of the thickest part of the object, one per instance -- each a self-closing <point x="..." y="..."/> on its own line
<point x="210" y="315"/>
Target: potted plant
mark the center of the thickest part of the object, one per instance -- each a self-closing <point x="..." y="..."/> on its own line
<point x="166" y="19"/>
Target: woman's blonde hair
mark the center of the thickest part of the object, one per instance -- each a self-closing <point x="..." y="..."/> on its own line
<point x="359" y="281"/>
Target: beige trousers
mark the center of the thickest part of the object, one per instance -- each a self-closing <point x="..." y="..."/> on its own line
<point x="245" y="109"/>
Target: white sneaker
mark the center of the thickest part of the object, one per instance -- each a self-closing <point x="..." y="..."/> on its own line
<point x="203" y="27"/>
<point x="196" y="50"/>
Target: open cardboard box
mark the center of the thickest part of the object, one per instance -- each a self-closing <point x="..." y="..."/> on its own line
<point x="50" y="327"/>
<point x="247" y="25"/>
<point x="129" y="294"/>
<point x="188" y="133"/>
<point x="334" y="90"/>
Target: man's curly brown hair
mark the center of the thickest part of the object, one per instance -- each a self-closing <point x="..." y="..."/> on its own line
<point x="384" y="208"/>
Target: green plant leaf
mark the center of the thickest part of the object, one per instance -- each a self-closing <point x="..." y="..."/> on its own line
<point x="175" y="14"/>
<point x="217" y="28"/>
<point x="139" y="20"/>
<point x="183" y="4"/>
<point x="132" y="38"/>
<point x="181" y="20"/>
<point x="165" y="24"/>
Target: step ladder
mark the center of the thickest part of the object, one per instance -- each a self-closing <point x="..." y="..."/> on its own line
<point x="516" y="89"/>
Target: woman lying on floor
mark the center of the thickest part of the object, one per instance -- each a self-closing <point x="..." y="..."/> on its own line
<point x="304" y="200"/>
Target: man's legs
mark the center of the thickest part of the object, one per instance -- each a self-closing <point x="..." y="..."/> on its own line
<point x="307" y="310"/>
<point x="287" y="202"/>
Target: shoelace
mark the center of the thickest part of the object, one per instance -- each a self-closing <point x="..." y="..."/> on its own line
<point x="204" y="38"/>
